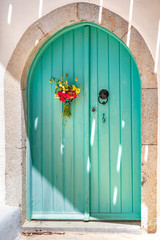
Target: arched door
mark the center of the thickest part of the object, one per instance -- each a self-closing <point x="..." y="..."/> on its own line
<point x="91" y="168"/>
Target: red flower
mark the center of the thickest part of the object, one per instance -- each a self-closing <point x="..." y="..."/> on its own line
<point x="62" y="99"/>
<point x="74" y="94"/>
<point x="66" y="95"/>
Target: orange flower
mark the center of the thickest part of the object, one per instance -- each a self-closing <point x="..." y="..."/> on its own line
<point x="76" y="79"/>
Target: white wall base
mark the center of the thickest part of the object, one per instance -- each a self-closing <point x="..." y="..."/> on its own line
<point x="10" y="223"/>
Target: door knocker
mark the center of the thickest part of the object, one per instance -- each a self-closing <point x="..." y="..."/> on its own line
<point x="103" y="94"/>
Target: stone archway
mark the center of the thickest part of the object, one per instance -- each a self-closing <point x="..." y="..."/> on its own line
<point x="15" y="101"/>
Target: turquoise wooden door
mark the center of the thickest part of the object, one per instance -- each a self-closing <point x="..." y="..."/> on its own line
<point x="89" y="169"/>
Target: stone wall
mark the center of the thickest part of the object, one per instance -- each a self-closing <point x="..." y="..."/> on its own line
<point x="15" y="101"/>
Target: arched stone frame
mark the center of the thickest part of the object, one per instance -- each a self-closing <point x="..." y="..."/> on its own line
<point x="15" y="101"/>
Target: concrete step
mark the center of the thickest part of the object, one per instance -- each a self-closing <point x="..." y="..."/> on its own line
<point x="80" y="226"/>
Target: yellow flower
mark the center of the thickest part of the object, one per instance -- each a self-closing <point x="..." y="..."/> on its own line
<point x="60" y="82"/>
<point x="78" y="90"/>
<point x="76" y="79"/>
<point x="50" y="81"/>
<point x="62" y="78"/>
<point x="56" y="95"/>
<point x="66" y="75"/>
<point x="74" y="87"/>
<point x="56" y="86"/>
<point x="66" y="82"/>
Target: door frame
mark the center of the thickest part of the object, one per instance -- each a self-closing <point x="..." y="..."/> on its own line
<point x="30" y="76"/>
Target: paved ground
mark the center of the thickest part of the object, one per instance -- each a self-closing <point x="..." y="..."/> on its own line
<point x="79" y="230"/>
<point x="91" y="236"/>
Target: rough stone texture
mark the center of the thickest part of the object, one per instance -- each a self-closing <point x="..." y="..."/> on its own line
<point x="15" y="101"/>
<point x="14" y="176"/>
<point x="144" y="60"/>
<point x="10" y="223"/>
<point x="149" y="187"/>
<point x="149" y="116"/>
<point x="60" y="17"/>
<point x="2" y="149"/>
<point x="15" y="148"/>
<point x="88" y="13"/>
<point x="114" y="23"/>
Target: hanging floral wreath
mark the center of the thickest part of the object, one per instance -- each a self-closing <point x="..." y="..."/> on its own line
<point x="66" y="93"/>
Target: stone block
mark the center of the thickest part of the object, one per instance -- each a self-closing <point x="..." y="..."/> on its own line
<point x="149" y="187"/>
<point x="114" y="23"/>
<point x="88" y="12"/>
<point x="14" y="163"/>
<point x="57" y="19"/>
<point x="149" y="116"/>
<point x="15" y="130"/>
<point x="143" y="59"/>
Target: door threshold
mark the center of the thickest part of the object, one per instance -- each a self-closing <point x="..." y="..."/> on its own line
<point x="131" y="227"/>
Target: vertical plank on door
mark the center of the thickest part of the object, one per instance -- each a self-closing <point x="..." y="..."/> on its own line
<point x="86" y="123"/>
<point x="57" y="144"/>
<point x="94" y="124"/>
<point x="136" y="137"/>
<point x="36" y="136"/>
<point x="115" y="133"/>
<point x="103" y="126"/>
<point x="126" y="130"/>
<point x="46" y="146"/>
<point x="79" y="129"/>
<point x="68" y="130"/>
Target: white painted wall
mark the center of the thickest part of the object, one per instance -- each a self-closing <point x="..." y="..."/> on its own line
<point x="17" y="15"/>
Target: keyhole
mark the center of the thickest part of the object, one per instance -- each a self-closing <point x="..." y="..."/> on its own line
<point x="103" y="118"/>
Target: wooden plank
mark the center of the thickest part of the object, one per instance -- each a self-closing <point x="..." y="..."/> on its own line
<point x="126" y="127"/>
<point x="114" y="216"/>
<point x="57" y="126"/>
<point x="94" y="124"/>
<point x="79" y="130"/>
<point x="68" y="129"/>
<point x="104" y="189"/>
<point x="115" y="133"/>
<point x="37" y="167"/>
<point x="47" y="136"/>
<point x="86" y="123"/>
<point x="136" y="137"/>
<point x="59" y="216"/>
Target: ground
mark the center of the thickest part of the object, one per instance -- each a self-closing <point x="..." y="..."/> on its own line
<point x="90" y="236"/>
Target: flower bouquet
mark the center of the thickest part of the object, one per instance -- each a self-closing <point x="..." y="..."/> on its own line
<point x="66" y="93"/>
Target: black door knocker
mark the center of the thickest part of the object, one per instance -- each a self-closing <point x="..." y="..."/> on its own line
<point x="103" y="94"/>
